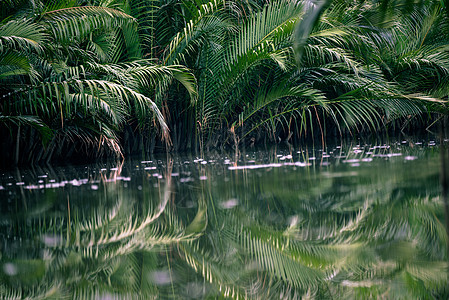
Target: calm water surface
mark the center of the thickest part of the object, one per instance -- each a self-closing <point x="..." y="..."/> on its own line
<point x="345" y="222"/>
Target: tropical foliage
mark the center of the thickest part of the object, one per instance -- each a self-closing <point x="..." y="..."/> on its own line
<point x="105" y="77"/>
<point x="78" y="75"/>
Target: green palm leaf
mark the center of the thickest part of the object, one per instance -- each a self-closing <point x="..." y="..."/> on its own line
<point x="13" y="63"/>
<point x="24" y="35"/>
<point x="193" y="35"/>
<point x="33" y="121"/>
<point x="78" y="22"/>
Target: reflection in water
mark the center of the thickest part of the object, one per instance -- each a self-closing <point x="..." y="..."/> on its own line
<point x="348" y="222"/>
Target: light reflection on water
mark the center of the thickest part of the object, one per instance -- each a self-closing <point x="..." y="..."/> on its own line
<point x="353" y="221"/>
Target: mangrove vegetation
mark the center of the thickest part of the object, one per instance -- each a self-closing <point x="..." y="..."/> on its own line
<point x="102" y="78"/>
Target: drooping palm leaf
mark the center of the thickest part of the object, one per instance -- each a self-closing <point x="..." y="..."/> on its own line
<point x="24" y="35"/>
<point x="78" y="22"/>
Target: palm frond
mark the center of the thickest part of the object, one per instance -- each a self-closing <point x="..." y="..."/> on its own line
<point x="290" y="100"/>
<point x="261" y="39"/>
<point x="313" y="12"/>
<point x="33" y="121"/>
<point x="13" y="63"/>
<point x="113" y="99"/>
<point x="78" y="22"/>
<point x="192" y="36"/>
<point x="24" y="35"/>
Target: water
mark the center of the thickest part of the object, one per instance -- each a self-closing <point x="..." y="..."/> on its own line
<point x="352" y="221"/>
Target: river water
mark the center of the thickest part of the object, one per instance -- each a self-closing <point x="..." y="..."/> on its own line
<point x="344" y="222"/>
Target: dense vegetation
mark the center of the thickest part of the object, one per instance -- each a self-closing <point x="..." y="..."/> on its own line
<point x="108" y="77"/>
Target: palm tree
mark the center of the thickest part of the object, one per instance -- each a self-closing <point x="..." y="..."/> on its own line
<point x="250" y="86"/>
<point x="79" y="71"/>
<point x="91" y="75"/>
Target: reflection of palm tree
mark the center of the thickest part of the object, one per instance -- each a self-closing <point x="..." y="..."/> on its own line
<point x="101" y="251"/>
<point x="376" y="239"/>
<point x="386" y="243"/>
